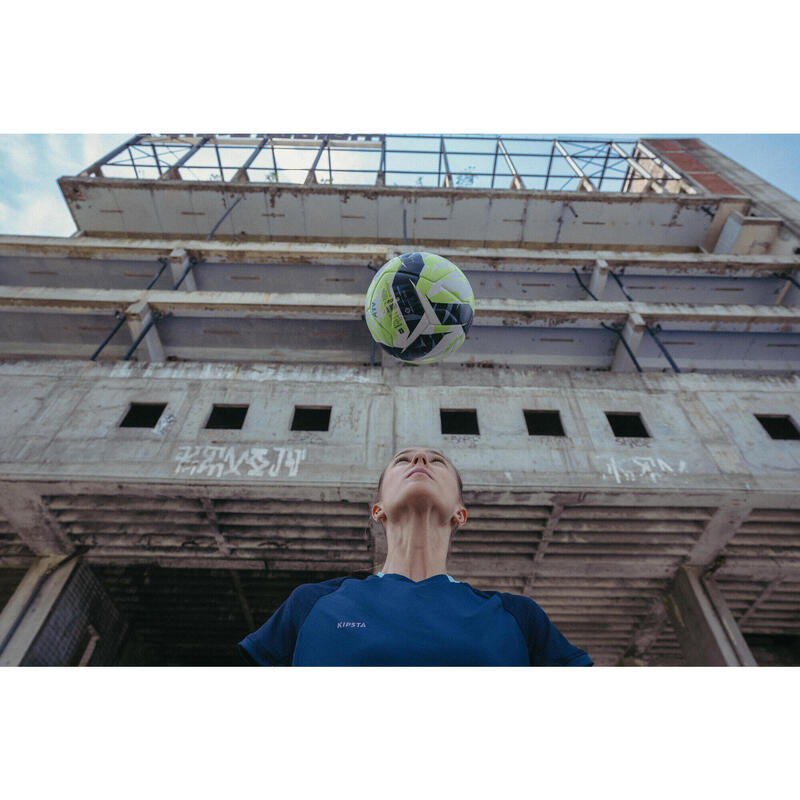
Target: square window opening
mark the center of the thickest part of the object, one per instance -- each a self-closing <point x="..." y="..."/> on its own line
<point x="311" y="418"/>
<point x="462" y="420"/>
<point x="627" y="424"/>
<point x="227" y="417"/>
<point x="544" y="423"/>
<point x="778" y="426"/>
<point x="143" y="415"/>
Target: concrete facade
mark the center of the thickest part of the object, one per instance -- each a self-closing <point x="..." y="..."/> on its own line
<point x="193" y="534"/>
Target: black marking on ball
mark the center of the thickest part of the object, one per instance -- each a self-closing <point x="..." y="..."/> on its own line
<point x="404" y="290"/>
<point x="454" y="314"/>
<point x="419" y="348"/>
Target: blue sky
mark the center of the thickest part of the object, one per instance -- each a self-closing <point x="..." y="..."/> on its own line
<point x="31" y="203"/>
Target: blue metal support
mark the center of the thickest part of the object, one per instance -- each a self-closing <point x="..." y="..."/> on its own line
<point x="788" y="277"/>
<point x="311" y="177"/>
<point x="619" y="332"/>
<point x="121" y="317"/>
<point x="550" y="164"/>
<point x="650" y="330"/>
<point x="172" y="173"/>
<point x="585" y="288"/>
<point x="241" y="173"/>
<point x="154" y="317"/>
<point x="222" y="218"/>
<point x="94" y="169"/>
<point x="189" y="267"/>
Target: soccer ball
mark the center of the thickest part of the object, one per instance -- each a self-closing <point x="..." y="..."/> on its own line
<point x="419" y="307"/>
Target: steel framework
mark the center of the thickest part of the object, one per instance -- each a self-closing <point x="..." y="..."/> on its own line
<point x="463" y="161"/>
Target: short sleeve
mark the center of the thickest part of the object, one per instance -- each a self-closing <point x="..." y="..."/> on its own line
<point x="272" y="645"/>
<point x="547" y="646"/>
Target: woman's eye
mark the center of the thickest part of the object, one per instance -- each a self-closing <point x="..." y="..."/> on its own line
<point x="401" y="458"/>
<point x="438" y="459"/>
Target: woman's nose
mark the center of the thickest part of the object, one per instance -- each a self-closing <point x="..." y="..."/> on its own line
<point x="419" y="457"/>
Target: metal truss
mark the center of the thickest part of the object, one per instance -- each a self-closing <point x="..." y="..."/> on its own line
<point x="410" y="160"/>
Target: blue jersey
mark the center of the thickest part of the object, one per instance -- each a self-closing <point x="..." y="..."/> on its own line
<point x="390" y="620"/>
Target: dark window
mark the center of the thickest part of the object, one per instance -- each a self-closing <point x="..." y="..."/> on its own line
<point x="627" y="424"/>
<point x="311" y="418"/>
<point x="778" y="426"/>
<point x="544" y="423"/>
<point x="143" y="415"/>
<point x="227" y="417"/>
<point x="460" y="421"/>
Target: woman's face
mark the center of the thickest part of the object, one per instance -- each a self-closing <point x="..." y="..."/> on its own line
<point x="420" y="477"/>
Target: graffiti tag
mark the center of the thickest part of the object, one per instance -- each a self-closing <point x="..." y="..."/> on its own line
<point x="220" y="461"/>
<point x="638" y="468"/>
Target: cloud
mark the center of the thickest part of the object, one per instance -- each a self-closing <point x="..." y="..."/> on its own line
<point x="36" y="213"/>
<point x="63" y="153"/>
<point x="19" y="156"/>
<point x="30" y="164"/>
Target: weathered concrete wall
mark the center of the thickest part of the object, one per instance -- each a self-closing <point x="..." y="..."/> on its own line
<point x="62" y="421"/>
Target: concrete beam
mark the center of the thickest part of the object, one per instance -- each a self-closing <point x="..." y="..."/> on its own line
<point x="213" y="520"/>
<point x="760" y="600"/>
<point x="648" y="630"/>
<point x="547" y="535"/>
<point x="759" y="570"/>
<point x="179" y="260"/>
<point x="491" y="311"/>
<point x="632" y="334"/>
<point x="703" y="624"/>
<point x="32" y="520"/>
<point x="729" y="625"/>
<point x="29" y="607"/>
<point x="473" y="258"/>
<point x="719" y="531"/>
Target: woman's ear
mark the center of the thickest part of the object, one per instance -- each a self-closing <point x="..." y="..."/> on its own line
<point x="459" y="518"/>
<point x="377" y="513"/>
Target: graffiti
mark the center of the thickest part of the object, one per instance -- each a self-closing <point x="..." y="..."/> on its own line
<point x="640" y="468"/>
<point x="223" y="461"/>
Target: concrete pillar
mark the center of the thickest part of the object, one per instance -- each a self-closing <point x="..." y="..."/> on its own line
<point x="179" y="260"/>
<point x="703" y="623"/>
<point x="597" y="285"/>
<point x="60" y="615"/>
<point x="151" y="349"/>
<point x="632" y="334"/>
<point x="32" y="520"/>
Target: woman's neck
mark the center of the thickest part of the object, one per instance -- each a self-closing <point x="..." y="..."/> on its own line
<point x="417" y="547"/>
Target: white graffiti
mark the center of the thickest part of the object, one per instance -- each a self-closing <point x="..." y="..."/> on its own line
<point x="638" y="468"/>
<point x="220" y="461"/>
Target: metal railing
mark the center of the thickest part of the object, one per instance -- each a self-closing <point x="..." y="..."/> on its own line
<point x="409" y="160"/>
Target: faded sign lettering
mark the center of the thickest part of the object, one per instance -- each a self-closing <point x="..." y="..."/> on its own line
<point x="638" y="468"/>
<point x="221" y="461"/>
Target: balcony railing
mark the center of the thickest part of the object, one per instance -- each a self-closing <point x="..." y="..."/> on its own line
<point x="483" y="162"/>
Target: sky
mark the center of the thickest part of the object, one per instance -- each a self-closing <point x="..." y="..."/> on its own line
<point x="31" y="202"/>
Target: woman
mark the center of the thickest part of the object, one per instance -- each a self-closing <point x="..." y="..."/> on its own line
<point x="411" y="613"/>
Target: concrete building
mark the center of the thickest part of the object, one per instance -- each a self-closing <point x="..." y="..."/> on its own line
<point x="194" y="416"/>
